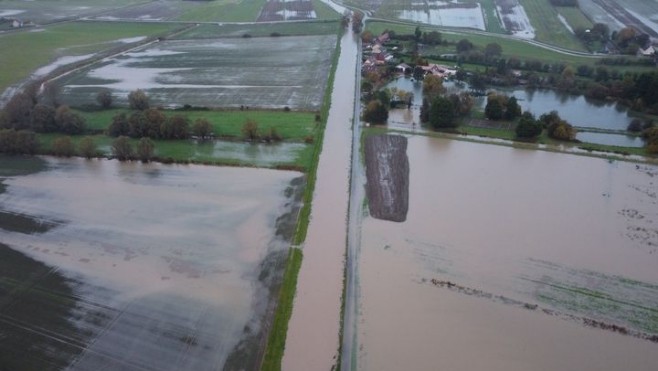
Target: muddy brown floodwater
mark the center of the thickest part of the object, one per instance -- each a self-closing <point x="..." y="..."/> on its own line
<point x="509" y="260"/>
<point x="312" y="340"/>
<point x="159" y="267"/>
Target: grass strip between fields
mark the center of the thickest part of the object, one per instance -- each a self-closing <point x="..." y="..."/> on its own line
<point x="278" y="331"/>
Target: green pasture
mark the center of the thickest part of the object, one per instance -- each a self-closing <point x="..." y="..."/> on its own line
<point x="24" y="52"/>
<point x="191" y="151"/>
<point x="224" y="11"/>
<point x="491" y="17"/>
<point x="511" y="47"/>
<point x="548" y="28"/>
<point x="45" y="11"/>
<point x="293" y="126"/>
<point x="241" y="11"/>
<point x="575" y="17"/>
<point x="207" y="31"/>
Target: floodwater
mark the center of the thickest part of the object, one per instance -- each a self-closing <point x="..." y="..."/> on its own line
<point x="226" y="72"/>
<point x="440" y="13"/>
<point x="577" y="110"/>
<point x="312" y="340"/>
<point x="172" y="267"/>
<point x="534" y="245"/>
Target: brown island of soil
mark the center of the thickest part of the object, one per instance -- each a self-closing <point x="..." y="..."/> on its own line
<point x="387" y="170"/>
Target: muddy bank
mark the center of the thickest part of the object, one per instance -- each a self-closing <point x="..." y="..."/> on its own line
<point x="387" y="170"/>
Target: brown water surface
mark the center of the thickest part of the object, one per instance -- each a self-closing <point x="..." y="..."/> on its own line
<point x="312" y="340"/>
<point x="174" y="264"/>
<point x="571" y="237"/>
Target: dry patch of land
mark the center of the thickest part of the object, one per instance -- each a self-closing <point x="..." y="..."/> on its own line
<point x="387" y="170"/>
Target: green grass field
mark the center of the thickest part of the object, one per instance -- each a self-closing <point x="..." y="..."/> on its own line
<point x="24" y="52"/>
<point x="511" y="47"/>
<point x="292" y="126"/>
<point x="548" y="27"/>
<point x="224" y="11"/>
<point x="491" y="17"/>
<point x="575" y="17"/>
<point x="207" y="31"/>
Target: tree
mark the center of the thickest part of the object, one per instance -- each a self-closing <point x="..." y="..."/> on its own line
<point x="18" y="111"/>
<point x="87" y="147"/>
<point x="432" y="87"/>
<point x="18" y="142"/>
<point x="464" y="46"/>
<point x="69" y="122"/>
<point x="138" y="100"/>
<point x="119" y="125"/>
<point x="556" y="127"/>
<point x="43" y="119"/>
<point x="493" y="109"/>
<point x="512" y="109"/>
<point x="650" y="136"/>
<point x="462" y="102"/>
<point x="139" y="126"/>
<point x="442" y="113"/>
<point x="104" y="98"/>
<point x="432" y="38"/>
<point x="63" y="147"/>
<point x="493" y="50"/>
<point x="202" y="129"/>
<point x="250" y="130"/>
<point x="528" y="127"/>
<point x="154" y="118"/>
<point x="122" y="150"/>
<point x="180" y="127"/>
<point x="145" y="149"/>
<point x="417" y="34"/>
<point x="375" y="112"/>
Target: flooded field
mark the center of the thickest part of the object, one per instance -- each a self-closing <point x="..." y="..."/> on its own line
<point x="515" y="19"/>
<point x="512" y="260"/>
<point x="445" y="13"/>
<point x="41" y="11"/>
<point x="257" y="72"/>
<point x="142" y="266"/>
<point x="577" y="110"/>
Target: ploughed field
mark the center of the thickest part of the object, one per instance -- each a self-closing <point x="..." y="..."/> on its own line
<point x="109" y="265"/>
<point x="254" y="72"/>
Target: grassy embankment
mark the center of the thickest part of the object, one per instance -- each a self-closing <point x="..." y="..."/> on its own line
<point x="279" y="329"/>
<point x="294" y="127"/>
<point x="24" y="52"/>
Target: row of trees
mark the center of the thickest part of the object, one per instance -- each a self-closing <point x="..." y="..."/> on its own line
<point x="529" y="128"/>
<point x="23" y="112"/>
<point x="500" y="106"/>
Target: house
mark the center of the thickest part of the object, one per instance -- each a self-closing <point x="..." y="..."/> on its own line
<point x="648" y="52"/>
<point x="439" y="70"/>
<point x="403" y="68"/>
<point x="16" y="23"/>
<point x="383" y="38"/>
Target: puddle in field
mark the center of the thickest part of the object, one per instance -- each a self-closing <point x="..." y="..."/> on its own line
<point x="170" y="267"/>
<point x="512" y="260"/>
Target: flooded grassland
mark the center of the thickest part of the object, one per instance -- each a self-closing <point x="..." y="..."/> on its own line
<point x="141" y="266"/>
<point x="512" y="259"/>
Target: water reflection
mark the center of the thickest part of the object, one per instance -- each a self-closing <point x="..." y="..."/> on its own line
<point x="175" y="263"/>
<point x="575" y="236"/>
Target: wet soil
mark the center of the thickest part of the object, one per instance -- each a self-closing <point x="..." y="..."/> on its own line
<point x="35" y="305"/>
<point x="387" y="170"/>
